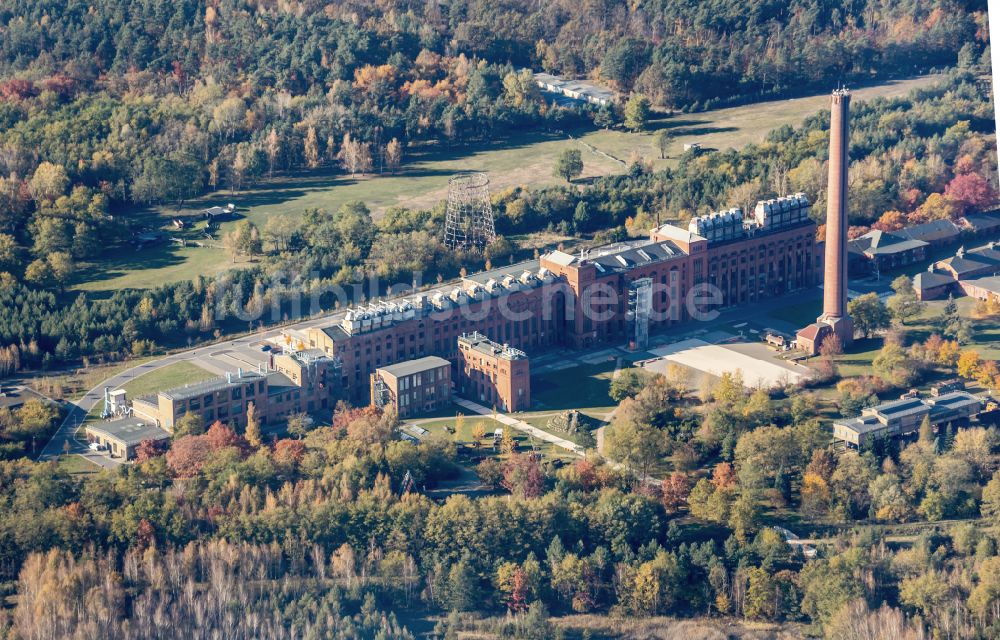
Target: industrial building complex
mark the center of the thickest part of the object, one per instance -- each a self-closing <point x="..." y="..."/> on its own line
<point x="615" y="293"/>
<point x="473" y="337"/>
<point x="293" y="383"/>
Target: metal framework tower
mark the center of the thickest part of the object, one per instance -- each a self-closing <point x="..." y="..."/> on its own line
<point x="469" y="219"/>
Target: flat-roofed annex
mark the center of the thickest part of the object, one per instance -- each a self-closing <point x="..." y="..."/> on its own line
<point x="211" y="386"/>
<point x="411" y="367"/>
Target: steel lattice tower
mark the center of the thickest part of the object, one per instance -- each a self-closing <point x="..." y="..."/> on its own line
<point x="469" y="220"/>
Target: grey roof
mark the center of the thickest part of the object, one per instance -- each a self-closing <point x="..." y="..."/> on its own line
<point x="861" y="425"/>
<point x="278" y="383"/>
<point x="984" y="254"/>
<point x="954" y="399"/>
<point x="939" y="408"/>
<point x="930" y="231"/>
<point x="948" y="406"/>
<point x="410" y="367"/>
<point x="884" y="243"/>
<point x="131" y="431"/>
<point x="481" y="343"/>
<point x="312" y="353"/>
<point x="990" y="283"/>
<point x="628" y="255"/>
<point x="982" y="221"/>
<point x="210" y="386"/>
<point x="500" y="273"/>
<point x="900" y="408"/>
<point x="964" y="265"/>
<point x="928" y="280"/>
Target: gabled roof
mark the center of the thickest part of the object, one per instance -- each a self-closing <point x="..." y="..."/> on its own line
<point x="961" y="266"/>
<point x="981" y="221"/>
<point x="930" y="231"/>
<point x="812" y="331"/>
<point x="877" y="242"/>
<point x="927" y="280"/>
<point x="561" y="258"/>
<point x="989" y="283"/>
<point x="984" y="254"/>
<point x="677" y="234"/>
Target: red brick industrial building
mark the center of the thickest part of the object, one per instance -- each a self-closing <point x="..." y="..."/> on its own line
<point x="494" y="374"/>
<point x="615" y="293"/>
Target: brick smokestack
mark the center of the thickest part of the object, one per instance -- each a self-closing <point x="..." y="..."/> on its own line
<point x="835" y="268"/>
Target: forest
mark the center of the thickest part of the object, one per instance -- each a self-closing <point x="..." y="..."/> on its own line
<point x="316" y="534"/>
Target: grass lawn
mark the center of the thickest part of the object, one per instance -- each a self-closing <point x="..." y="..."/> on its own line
<point x="77" y="465"/>
<point x="463" y="436"/>
<point x="857" y="360"/>
<point x="584" y="387"/>
<point x="127" y="268"/>
<point x="171" y="376"/>
<point x="525" y="159"/>
<point x="799" y="314"/>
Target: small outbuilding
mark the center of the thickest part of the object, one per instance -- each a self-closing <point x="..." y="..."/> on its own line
<point x="121" y="437"/>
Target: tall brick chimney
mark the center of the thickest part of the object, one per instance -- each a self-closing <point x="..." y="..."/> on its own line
<point x="835" y="268"/>
<point x="835" y="318"/>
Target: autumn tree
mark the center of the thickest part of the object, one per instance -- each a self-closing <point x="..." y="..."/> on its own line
<point x="869" y="313"/>
<point x="355" y="156"/>
<point x="253" y="432"/>
<point x="49" y="182"/>
<point x="522" y="476"/>
<point x="310" y="148"/>
<point x="393" y="155"/>
<point x="272" y="147"/>
<point x="971" y="190"/>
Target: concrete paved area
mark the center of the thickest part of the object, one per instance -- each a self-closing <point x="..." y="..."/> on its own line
<point x="760" y="369"/>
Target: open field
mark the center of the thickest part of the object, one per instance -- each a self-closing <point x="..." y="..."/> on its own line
<point x="519" y="160"/>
